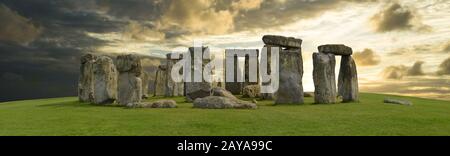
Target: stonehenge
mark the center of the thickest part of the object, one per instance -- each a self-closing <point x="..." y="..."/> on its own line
<point x="124" y="81"/>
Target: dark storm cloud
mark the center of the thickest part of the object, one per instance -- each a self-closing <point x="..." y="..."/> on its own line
<point x="16" y="28"/>
<point x="398" y="17"/>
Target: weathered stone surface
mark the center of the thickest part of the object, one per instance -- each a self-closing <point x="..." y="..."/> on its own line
<point x="251" y="91"/>
<point x="269" y="96"/>
<point x="105" y="80"/>
<point x="156" y="104"/>
<point x="129" y="82"/>
<point x="218" y="102"/>
<point x="217" y="91"/>
<point x="234" y="86"/>
<point x="145" y="77"/>
<point x="172" y="88"/>
<point x="198" y="90"/>
<point x="129" y="89"/>
<point x="348" y="80"/>
<point x="397" y="101"/>
<point x="160" y="80"/>
<point x="290" y="89"/>
<point x="324" y="78"/>
<point x="336" y="49"/>
<point x="86" y="79"/>
<point x="282" y="41"/>
<point x="129" y="63"/>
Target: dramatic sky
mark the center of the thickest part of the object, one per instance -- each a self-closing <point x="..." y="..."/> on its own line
<point x="401" y="47"/>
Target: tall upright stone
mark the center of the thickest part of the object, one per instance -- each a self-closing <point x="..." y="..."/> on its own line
<point x="324" y="78"/>
<point x="129" y="83"/>
<point x="290" y="89"/>
<point x="348" y="80"/>
<point x="172" y="88"/>
<point x="269" y="96"/>
<point x="145" y="77"/>
<point x="291" y="72"/>
<point x="105" y="80"/>
<point x="247" y="70"/>
<point x="234" y="86"/>
<point x="86" y="79"/>
<point x="194" y="89"/>
<point x="160" y="80"/>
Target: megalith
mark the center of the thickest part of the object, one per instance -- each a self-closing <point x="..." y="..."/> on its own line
<point x="172" y="88"/>
<point x="129" y="82"/>
<point x="324" y="78"/>
<point x="86" y="79"/>
<point x="145" y="77"/>
<point x="290" y="89"/>
<point x="234" y="86"/>
<point x="105" y="80"/>
<point x="159" y="81"/>
<point x="348" y="80"/>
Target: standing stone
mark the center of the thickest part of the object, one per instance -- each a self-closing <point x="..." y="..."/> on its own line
<point x="105" y="80"/>
<point x="324" y="78"/>
<point x="172" y="88"/>
<point x="348" y="80"/>
<point x="290" y="89"/>
<point x="145" y="77"/>
<point x="247" y="71"/>
<point x="234" y="87"/>
<point x="86" y="79"/>
<point x="159" y="82"/>
<point x="129" y="83"/>
<point x="194" y="90"/>
<point x="269" y="96"/>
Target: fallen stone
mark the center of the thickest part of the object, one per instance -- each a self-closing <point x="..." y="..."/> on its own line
<point x="156" y="104"/>
<point x="324" y="78"/>
<point x="282" y="41"/>
<point x="217" y="91"/>
<point x="290" y="89"/>
<point x="196" y="90"/>
<point x="348" y="80"/>
<point x="86" y="79"/>
<point x="105" y="80"/>
<point x="251" y="91"/>
<point x="397" y="101"/>
<point x="336" y="49"/>
<point x="218" y="102"/>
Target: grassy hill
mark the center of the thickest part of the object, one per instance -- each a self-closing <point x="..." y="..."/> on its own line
<point x="66" y="116"/>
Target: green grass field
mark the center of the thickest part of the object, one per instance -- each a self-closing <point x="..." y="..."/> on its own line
<point x="66" y="116"/>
